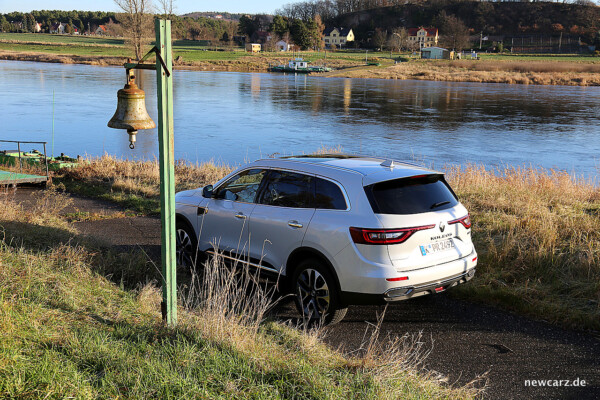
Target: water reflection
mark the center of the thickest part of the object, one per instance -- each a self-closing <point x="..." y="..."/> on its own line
<point x="240" y="116"/>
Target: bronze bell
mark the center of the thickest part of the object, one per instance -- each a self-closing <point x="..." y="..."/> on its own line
<point x="131" y="111"/>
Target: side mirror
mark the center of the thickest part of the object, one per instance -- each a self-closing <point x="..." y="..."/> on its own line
<point x="207" y="191"/>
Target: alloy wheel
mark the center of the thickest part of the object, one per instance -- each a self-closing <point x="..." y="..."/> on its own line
<point x="313" y="293"/>
<point x="184" y="248"/>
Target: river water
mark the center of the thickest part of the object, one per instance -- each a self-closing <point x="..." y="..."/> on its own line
<point x="234" y="117"/>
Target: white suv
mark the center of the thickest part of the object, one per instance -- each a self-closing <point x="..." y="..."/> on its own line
<point x="338" y="229"/>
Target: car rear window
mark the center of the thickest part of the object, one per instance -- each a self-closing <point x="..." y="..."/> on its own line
<point x="413" y="195"/>
<point x="328" y="195"/>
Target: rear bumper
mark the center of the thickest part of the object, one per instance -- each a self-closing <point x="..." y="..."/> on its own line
<point x="407" y="292"/>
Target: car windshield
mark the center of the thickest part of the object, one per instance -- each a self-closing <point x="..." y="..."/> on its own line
<point x="413" y="195"/>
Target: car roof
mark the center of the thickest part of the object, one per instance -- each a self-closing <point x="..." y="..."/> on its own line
<point x="373" y="169"/>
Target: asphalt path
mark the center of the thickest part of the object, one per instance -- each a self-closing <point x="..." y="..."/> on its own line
<point x="465" y="341"/>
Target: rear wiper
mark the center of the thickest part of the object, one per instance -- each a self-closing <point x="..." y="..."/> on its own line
<point x="439" y="204"/>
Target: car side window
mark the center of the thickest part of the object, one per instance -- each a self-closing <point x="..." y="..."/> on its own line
<point x="328" y="195"/>
<point x="242" y="187"/>
<point x="288" y="189"/>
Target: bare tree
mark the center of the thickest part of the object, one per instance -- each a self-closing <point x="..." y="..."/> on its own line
<point x="455" y="34"/>
<point x="136" y="19"/>
<point x="166" y="7"/>
<point x="398" y="39"/>
<point x="379" y="39"/>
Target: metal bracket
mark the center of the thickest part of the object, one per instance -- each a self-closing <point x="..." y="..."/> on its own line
<point x="129" y="65"/>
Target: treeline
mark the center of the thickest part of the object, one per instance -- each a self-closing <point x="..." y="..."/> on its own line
<point x="304" y="33"/>
<point x="183" y="27"/>
<point x="482" y="18"/>
<point x="329" y="9"/>
<point x="24" y="22"/>
<point x="380" y="23"/>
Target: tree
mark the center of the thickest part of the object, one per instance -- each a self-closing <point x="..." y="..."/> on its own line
<point x="398" y="39"/>
<point x="318" y="36"/>
<point x="137" y="23"/>
<point x="455" y="34"/>
<point x="247" y="26"/>
<point x="30" y="22"/>
<point x="379" y="39"/>
<point x="279" y="25"/>
<point x="300" y="34"/>
<point x="166" y="8"/>
<point x="4" y="24"/>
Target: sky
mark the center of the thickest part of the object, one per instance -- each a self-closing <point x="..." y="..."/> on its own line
<point x="181" y="6"/>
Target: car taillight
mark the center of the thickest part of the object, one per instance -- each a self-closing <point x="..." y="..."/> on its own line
<point x="384" y="236"/>
<point x="465" y="221"/>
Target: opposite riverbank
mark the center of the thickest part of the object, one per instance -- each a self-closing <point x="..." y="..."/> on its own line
<point x="572" y="70"/>
<point x="519" y="72"/>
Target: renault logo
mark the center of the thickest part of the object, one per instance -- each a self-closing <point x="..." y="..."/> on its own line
<point x="442" y="227"/>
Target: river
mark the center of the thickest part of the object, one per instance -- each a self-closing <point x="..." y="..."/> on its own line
<point x="233" y="117"/>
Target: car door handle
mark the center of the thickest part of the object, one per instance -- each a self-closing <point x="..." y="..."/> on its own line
<point x="240" y="216"/>
<point x="295" y="224"/>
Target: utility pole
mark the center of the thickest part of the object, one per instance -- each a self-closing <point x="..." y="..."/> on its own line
<point x="559" y="42"/>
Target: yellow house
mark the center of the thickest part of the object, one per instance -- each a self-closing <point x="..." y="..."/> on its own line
<point x="253" y="47"/>
<point x="423" y="37"/>
<point x="338" y="36"/>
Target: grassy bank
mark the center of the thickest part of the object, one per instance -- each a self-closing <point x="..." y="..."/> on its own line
<point x="571" y="70"/>
<point x="73" y="327"/>
<point x="537" y="232"/>
<point x="482" y="71"/>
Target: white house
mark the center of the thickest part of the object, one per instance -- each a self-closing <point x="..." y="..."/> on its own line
<point x="58" y="28"/>
<point x="282" y="45"/>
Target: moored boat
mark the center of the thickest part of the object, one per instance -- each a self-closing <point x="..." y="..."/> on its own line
<point x="299" y="66"/>
<point x="14" y="158"/>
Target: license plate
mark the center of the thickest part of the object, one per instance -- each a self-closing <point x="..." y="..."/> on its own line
<point x="437" y="247"/>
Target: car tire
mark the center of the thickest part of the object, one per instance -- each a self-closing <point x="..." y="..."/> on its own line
<point x="315" y="293"/>
<point x="187" y="255"/>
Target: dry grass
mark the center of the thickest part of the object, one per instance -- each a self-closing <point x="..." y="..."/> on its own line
<point x="136" y="184"/>
<point x="527" y="73"/>
<point x="538" y="236"/>
<point x="526" y="66"/>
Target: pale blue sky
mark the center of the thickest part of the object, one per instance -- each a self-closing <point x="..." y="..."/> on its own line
<point x="182" y="6"/>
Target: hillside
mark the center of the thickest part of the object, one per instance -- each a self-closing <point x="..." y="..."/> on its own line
<point x="503" y="18"/>
<point x="213" y="15"/>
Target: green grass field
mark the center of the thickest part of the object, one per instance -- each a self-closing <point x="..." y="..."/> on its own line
<point x="68" y="39"/>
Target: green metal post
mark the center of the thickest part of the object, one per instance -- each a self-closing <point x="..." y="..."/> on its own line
<point x="167" y="170"/>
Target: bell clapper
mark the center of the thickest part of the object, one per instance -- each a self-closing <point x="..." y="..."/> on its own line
<point x="132" y="138"/>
